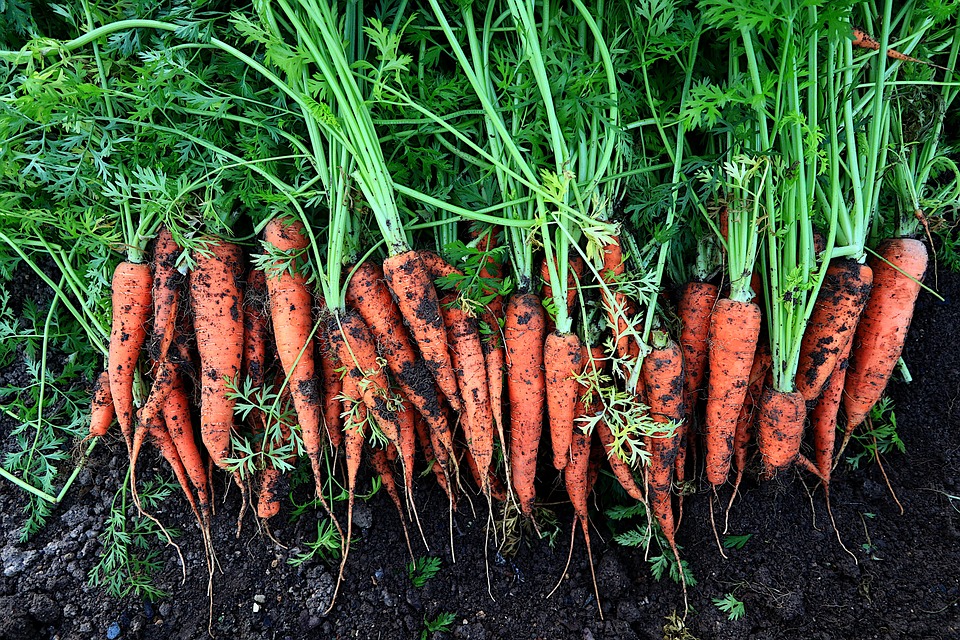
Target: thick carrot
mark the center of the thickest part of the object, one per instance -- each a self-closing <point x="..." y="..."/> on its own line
<point x="356" y="349"/>
<point x="218" y="321"/>
<point x="332" y="386"/>
<point x="694" y="310"/>
<point x="179" y="424"/>
<point x="524" y="337"/>
<point x="883" y="327"/>
<point x="166" y="292"/>
<point x="734" y="329"/>
<point x="832" y="324"/>
<point x="410" y="282"/>
<point x="368" y="294"/>
<point x="291" y="310"/>
<point x="780" y="429"/>
<point x="132" y="306"/>
<point x="470" y="369"/>
<point x="102" y="411"/>
<point x="563" y="361"/>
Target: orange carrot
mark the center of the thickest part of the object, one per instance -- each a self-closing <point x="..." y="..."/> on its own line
<point x="332" y="386"/>
<point x="256" y="328"/>
<point x="423" y="436"/>
<point x="576" y="478"/>
<point x="101" y="409"/>
<point x="179" y="424"/>
<point x="615" y="304"/>
<point x="883" y="327"/>
<point x="368" y="294"/>
<point x="492" y="483"/>
<point x="291" y="307"/>
<point x="694" y="310"/>
<point x="780" y="429"/>
<point x="132" y="306"/>
<point x="734" y="329"/>
<point x="823" y="418"/>
<point x="563" y="362"/>
<point x="762" y="362"/>
<point x="524" y="337"/>
<point x="470" y="369"/>
<point x="408" y="278"/>
<point x="864" y="41"/>
<point x="842" y="297"/>
<point x="380" y="464"/>
<point x="166" y="292"/>
<point x="218" y="322"/>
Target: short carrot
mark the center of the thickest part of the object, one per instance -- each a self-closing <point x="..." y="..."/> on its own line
<point x="563" y="362"/>
<point x="102" y="410"/>
<point x="779" y="429"/>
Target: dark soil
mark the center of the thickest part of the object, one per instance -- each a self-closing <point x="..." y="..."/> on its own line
<point x="792" y="575"/>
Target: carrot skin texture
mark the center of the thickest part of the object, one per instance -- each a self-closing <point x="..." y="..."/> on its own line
<point x="291" y="310"/>
<point x="615" y="302"/>
<point x="471" y="372"/>
<point x="218" y="322"/>
<point x="256" y="328"/>
<point x="734" y="330"/>
<point x="179" y="423"/>
<point x="883" y="326"/>
<point x="563" y="362"/>
<point x="102" y="410"/>
<point x="132" y="308"/>
<point x="166" y="289"/>
<point x="780" y="429"/>
<point x="523" y="337"/>
<point x="832" y="324"/>
<point x="408" y="278"/>
<point x="762" y="362"/>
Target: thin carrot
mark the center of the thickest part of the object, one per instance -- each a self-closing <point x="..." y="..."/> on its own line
<point x="218" y="321"/>
<point x="179" y="424"/>
<point x="470" y="369"/>
<point x="823" y="417"/>
<point x="102" y="410"/>
<point x="491" y="483"/>
<point x="524" y="337"/>
<point x="423" y="436"/>
<point x="694" y="310"/>
<point x="332" y="386"/>
<point x="614" y="300"/>
<point x="563" y="361"/>
<point x="380" y="464"/>
<point x="132" y="306"/>
<point x="883" y="327"/>
<point x="762" y="362"/>
<point x="256" y="328"/>
<point x="291" y="310"/>
<point x="734" y="329"/>
<point x="416" y="296"/>
<point x="864" y="41"/>
<point x="832" y="324"/>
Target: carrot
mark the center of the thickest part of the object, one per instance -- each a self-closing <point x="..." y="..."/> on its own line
<point x="332" y="386"/>
<point x="356" y="349"/>
<point x="492" y="483"/>
<point x="621" y="469"/>
<point x="291" y="307"/>
<point x="664" y="381"/>
<point x="470" y="369"/>
<point x="410" y="282"/>
<point x="368" y="294"/>
<point x="563" y="362"/>
<point x="493" y="356"/>
<point x="132" y="306"/>
<point x="694" y="310"/>
<point x="268" y="500"/>
<point x="734" y="329"/>
<point x="166" y="292"/>
<point x="615" y="304"/>
<point x="762" y="362"/>
<point x="102" y="410"/>
<point x="883" y="327"/>
<point x="256" y="328"/>
<point x="523" y="337"/>
<point x="779" y="429"/>
<point x="179" y="424"/>
<point x="842" y="297"/>
<point x="574" y="275"/>
<point x="423" y="436"/>
<point x="864" y="41"/>
<point x="823" y="417"/>
<point x="218" y="322"/>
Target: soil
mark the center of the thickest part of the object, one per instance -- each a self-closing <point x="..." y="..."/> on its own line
<point x="792" y="575"/>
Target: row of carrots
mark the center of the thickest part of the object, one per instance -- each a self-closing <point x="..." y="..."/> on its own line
<point x="417" y="363"/>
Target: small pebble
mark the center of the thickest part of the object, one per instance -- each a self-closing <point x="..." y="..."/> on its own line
<point x="259" y="598"/>
<point x="113" y="631"/>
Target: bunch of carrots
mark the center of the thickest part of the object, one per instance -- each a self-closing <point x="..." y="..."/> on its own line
<point x="345" y="332"/>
